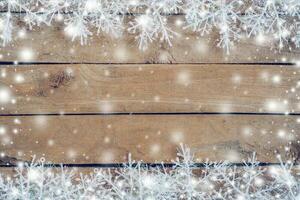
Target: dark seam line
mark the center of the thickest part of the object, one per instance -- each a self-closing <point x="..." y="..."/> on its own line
<point x="146" y="165"/>
<point x="121" y="14"/>
<point x="145" y="63"/>
<point x="124" y="14"/>
<point x="148" y="113"/>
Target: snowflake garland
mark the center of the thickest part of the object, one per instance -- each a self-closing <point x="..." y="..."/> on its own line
<point x="135" y="181"/>
<point x="149" y="21"/>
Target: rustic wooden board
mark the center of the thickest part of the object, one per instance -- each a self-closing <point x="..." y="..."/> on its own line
<point x="109" y="139"/>
<point x="50" y="44"/>
<point x="149" y="88"/>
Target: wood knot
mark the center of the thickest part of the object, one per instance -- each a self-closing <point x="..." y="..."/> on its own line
<point x="60" y="78"/>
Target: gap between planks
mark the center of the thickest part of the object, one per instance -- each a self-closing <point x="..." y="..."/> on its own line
<point x="18" y="64"/>
<point x="148" y="113"/>
<point x="146" y="165"/>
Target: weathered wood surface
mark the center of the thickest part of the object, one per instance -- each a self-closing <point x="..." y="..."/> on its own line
<point x="149" y="88"/>
<point x="109" y="139"/>
<point x="50" y="44"/>
<point x="115" y="85"/>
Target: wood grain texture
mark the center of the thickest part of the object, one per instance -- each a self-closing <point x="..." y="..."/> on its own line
<point x="50" y="44"/>
<point x="149" y="88"/>
<point x="106" y="139"/>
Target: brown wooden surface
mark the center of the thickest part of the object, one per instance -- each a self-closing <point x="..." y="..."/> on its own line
<point x="124" y="80"/>
<point x="106" y="139"/>
<point x="50" y="44"/>
<point x="149" y="88"/>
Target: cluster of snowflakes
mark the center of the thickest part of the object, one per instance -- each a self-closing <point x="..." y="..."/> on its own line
<point x="184" y="181"/>
<point x="149" y="19"/>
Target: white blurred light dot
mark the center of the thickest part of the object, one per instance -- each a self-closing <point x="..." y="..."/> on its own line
<point x="40" y="121"/>
<point x="276" y="79"/>
<point x="106" y="140"/>
<point x="50" y="142"/>
<point x="156" y="98"/>
<point x="2" y="130"/>
<point x="178" y="22"/>
<point x="107" y="156"/>
<point x="236" y="78"/>
<point x="26" y="54"/>
<point x="22" y="34"/>
<point x="259" y="182"/>
<point x="232" y="156"/>
<point x="184" y="78"/>
<point x="17" y="121"/>
<point x="274" y="105"/>
<point x="281" y="133"/>
<point x="4" y="95"/>
<point x="247" y="131"/>
<point x="260" y="39"/>
<point x="106" y="106"/>
<point x="177" y="137"/>
<point x="3" y="73"/>
<point x="121" y="53"/>
<point x="71" y="153"/>
<point x="155" y="148"/>
<point x="19" y="78"/>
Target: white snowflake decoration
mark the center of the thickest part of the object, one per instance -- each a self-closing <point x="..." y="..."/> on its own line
<point x="78" y="28"/>
<point x="269" y="17"/>
<point x="185" y="180"/>
<point x="203" y="16"/>
<point x="232" y="18"/>
<point x="149" y="27"/>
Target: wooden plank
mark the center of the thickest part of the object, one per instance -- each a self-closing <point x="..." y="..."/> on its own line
<point x="149" y="88"/>
<point x="109" y="139"/>
<point x="50" y="44"/>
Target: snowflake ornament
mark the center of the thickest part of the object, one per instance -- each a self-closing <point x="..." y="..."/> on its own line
<point x="6" y="28"/>
<point x="134" y="180"/>
<point x="77" y="27"/>
<point x="148" y="20"/>
<point x="151" y="26"/>
<point x="203" y="16"/>
<point x="268" y="17"/>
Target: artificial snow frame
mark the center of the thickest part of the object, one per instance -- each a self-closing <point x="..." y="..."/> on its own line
<point x="233" y="19"/>
<point x="134" y="181"/>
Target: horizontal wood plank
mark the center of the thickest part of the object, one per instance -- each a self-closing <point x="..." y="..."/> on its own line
<point x="50" y="44"/>
<point x="148" y="88"/>
<point x="109" y="139"/>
